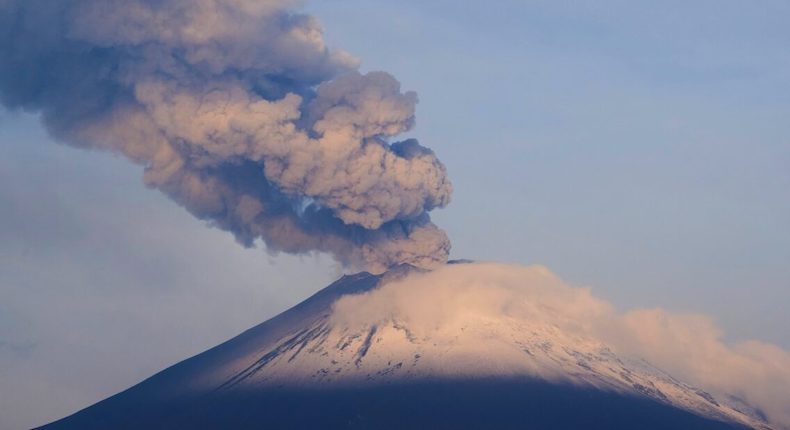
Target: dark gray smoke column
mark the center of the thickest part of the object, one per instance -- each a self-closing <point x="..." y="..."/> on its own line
<point x="239" y="113"/>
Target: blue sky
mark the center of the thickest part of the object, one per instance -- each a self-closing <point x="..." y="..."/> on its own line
<point x="642" y="149"/>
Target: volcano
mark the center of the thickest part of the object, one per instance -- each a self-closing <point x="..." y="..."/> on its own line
<point x="338" y="361"/>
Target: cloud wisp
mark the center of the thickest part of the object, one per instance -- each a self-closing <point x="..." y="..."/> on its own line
<point x="448" y="303"/>
<point x="238" y="112"/>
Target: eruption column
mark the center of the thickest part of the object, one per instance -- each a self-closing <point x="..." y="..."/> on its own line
<point x="238" y="112"/>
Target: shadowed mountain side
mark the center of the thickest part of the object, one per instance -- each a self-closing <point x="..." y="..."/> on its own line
<point x="178" y="381"/>
<point x="485" y="403"/>
<point x="306" y="369"/>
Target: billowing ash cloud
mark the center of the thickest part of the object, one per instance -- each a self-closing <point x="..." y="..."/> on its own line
<point x="238" y="112"/>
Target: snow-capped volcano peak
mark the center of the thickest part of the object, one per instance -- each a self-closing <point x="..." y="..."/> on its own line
<point x="465" y="322"/>
<point x="368" y="337"/>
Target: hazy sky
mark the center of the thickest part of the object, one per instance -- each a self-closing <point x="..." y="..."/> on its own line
<point x="640" y="150"/>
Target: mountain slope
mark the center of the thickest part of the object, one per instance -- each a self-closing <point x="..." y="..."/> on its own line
<point x="326" y="364"/>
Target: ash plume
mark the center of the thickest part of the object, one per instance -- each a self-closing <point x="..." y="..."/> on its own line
<point x="238" y="112"/>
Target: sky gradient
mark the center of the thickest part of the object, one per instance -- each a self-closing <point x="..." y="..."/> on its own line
<point x="642" y="151"/>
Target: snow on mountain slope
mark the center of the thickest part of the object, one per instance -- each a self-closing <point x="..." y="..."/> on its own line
<point x="333" y="349"/>
<point x="406" y="326"/>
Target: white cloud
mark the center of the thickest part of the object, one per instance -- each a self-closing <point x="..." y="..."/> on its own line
<point x="688" y="346"/>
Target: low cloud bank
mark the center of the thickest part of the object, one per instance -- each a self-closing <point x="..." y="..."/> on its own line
<point x="687" y="346"/>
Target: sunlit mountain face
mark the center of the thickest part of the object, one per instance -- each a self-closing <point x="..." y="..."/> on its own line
<point x="409" y="349"/>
